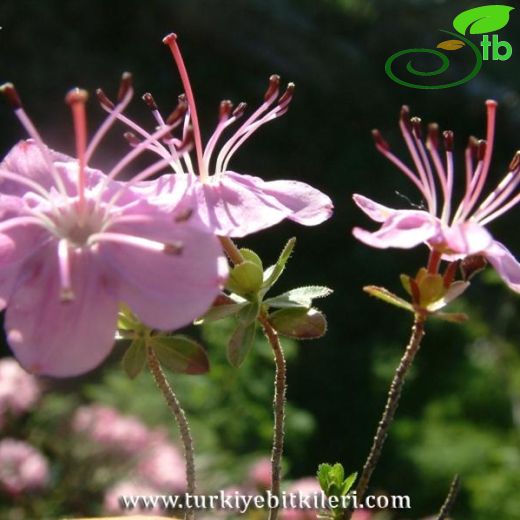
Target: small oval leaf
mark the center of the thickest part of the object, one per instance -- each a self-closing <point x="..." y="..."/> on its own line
<point x="388" y="297"/>
<point x="134" y="358"/>
<point x="451" y="45"/>
<point x="240" y="343"/>
<point x="180" y="354"/>
<point x="483" y="19"/>
<point x="299" y="323"/>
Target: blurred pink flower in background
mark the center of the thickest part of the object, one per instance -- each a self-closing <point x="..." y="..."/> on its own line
<point x="162" y="465"/>
<point x="19" y="390"/>
<point x="260" y="473"/>
<point x="362" y="514"/>
<point x="307" y="486"/>
<point x="112" y="500"/>
<point x="22" y="467"/>
<point x="110" y="430"/>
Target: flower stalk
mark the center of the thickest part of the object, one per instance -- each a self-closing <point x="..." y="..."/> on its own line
<point x="453" y="492"/>
<point x="181" y="420"/>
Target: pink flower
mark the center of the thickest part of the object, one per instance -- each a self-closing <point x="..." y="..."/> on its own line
<point x="450" y="232"/>
<point x="162" y="466"/>
<point x="232" y="204"/>
<point x="113" y="503"/>
<point x="19" y="390"/>
<point x="110" y="431"/>
<point x="260" y="473"/>
<point x="308" y="486"/>
<point x="74" y="243"/>
<point x="22" y="467"/>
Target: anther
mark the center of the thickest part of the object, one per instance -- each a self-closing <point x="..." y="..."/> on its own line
<point x="76" y="95"/>
<point x="379" y="140"/>
<point x="240" y="109"/>
<point x="225" y="109"/>
<point x="481" y="149"/>
<point x="514" y="165"/>
<point x="150" y="101"/>
<point x="10" y="93"/>
<point x="405" y="116"/>
<point x="66" y="295"/>
<point x="416" y="127"/>
<point x="178" y="111"/>
<point x="449" y="138"/>
<point x="132" y="139"/>
<point x="287" y="95"/>
<point x="173" y="248"/>
<point x="433" y="135"/>
<point x="272" y="89"/>
<point x="184" y="216"/>
<point x="124" y="85"/>
<point x="471" y="265"/>
<point x="103" y="99"/>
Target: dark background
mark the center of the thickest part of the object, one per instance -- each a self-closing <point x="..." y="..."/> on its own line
<point x="334" y="50"/>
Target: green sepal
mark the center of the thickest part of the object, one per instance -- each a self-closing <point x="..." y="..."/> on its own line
<point x="219" y="312"/>
<point x="245" y="278"/>
<point x="299" y="297"/>
<point x="240" y="343"/>
<point x="388" y="297"/>
<point x="274" y="272"/>
<point x="299" y="323"/>
<point x="180" y="354"/>
<point x="134" y="358"/>
<point x="251" y="256"/>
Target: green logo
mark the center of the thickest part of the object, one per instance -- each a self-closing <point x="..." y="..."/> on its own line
<point x="480" y="20"/>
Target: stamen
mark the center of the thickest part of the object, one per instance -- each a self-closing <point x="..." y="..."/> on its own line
<point x="104" y="101"/>
<point x="125" y="86"/>
<point x="169" y="248"/>
<point x="66" y="292"/>
<point x="171" y="41"/>
<point x="150" y="101"/>
<point x="380" y="142"/>
<point x="8" y="90"/>
<point x="272" y="89"/>
<point x="132" y="139"/>
<point x="432" y="143"/>
<point x="77" y="99"/>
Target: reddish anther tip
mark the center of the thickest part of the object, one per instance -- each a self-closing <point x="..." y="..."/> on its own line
<point x="131" y="138"/>
<point x="416" y="127"/>
<point x="169" y="39"/>
<point x="481" y="150"/>
<point x="272" y="89"/>
<point x="379" y="140"/>
<point x="491" y="103"/>
<point x="173" y="248"/>
<point x="178" y="112"/>
<point x="103" y="99"/>
<point x="240" y="109"/>
<point x="225" y="109"/>
<point x="433" y="134"/>
<point x="287" y="95"/>
<point x="76" y="95"/>
<point x="150" y="101"/>
<point x="405" y="115"/>
<point x="514" y="165"/>
<point x="10" y="93"/>
<point x="449" y="139"/>
<point x="124" y="85"/>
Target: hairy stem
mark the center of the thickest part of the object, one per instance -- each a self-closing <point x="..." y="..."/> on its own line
<point x="450" y="499"/>
<point x="180" y="419"/>
<point x="280" y="386"/>
<point x="392" y="403"/>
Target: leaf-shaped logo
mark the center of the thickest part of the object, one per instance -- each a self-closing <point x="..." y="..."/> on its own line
<point x="451" y="45"/>
<point x="482" y="20"/>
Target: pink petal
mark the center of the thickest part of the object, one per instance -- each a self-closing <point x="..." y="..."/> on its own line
<point x="58" y="338"/>
<point x="467" y="238"/>
<point x="405" y="229"/>
<point x="167" y="291"/>
<point x="373" y="209"/>
<point x="505" y="265"/>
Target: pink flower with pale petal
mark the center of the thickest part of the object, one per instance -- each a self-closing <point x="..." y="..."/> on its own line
<point x="232" y="204"/>
<point x="22" y="468"/>
<point x="260" y="473"/>
<point x="305" y="487"/>
<point x="113" y="503"/>
<point x="74" y="243"/>
<point x="450" y="232"/>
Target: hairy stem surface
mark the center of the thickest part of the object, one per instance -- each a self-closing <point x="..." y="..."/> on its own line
<point x="450" y="499"/>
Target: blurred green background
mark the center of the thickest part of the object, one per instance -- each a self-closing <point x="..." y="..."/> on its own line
<point x="461" y="408"/>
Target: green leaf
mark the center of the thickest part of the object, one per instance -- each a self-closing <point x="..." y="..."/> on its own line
<point x="451" y="45"/>
<point x="323" y="476"/>
<point x="180" y="354"/>
<point x="453" y="317"/>
<point x="134" y="358"/>
<point x="272" y="273"/>
<point x="126" y="320"/>
<point x="348" y="483"/>
<point x="245" y="278"/>
<point x="249" y="313"/>
<point x="300" y="297"/>
<point x="388" y="297"/>
<point x="299" y="323"/>
<point x="222" y="311"/>
<point x="482" y="20"/>
<point x="251" y="256"/>
<point x="337" y="473"/>
<point x="240" y="343"/>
